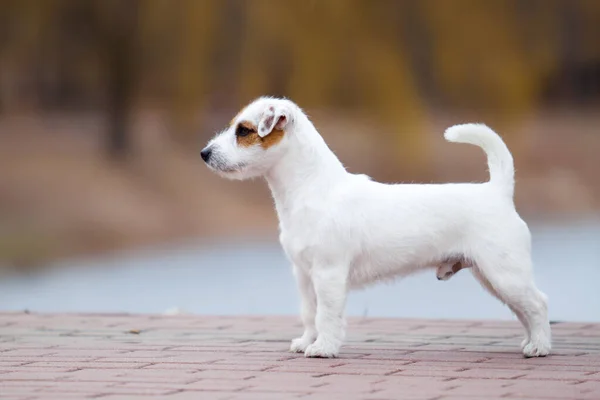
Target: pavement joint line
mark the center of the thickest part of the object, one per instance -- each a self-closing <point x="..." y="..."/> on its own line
<point x="518" y="376"/>
<point x="393" y="372"/>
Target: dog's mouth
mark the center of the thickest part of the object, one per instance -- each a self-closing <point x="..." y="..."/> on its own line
<point x="230" y="170"/>
<point x="218" y="165"/>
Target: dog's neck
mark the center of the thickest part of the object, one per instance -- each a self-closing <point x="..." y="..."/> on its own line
<point x="308" y="167"/>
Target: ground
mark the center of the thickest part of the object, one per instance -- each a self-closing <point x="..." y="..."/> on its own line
<point x="119" y="356"/>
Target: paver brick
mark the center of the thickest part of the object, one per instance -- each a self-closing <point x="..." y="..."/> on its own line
<point x="63" y="356"/>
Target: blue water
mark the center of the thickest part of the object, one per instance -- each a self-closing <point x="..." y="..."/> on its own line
<point x="255" y="278"/>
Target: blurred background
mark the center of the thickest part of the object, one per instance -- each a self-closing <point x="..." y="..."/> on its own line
<point x="105" y="204"/>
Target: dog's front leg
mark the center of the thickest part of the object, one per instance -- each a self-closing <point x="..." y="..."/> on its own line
<point x="330" y="288"/>
<point x="307" y="313"/>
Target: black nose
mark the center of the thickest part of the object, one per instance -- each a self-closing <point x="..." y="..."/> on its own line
<point x="205" y="154"/>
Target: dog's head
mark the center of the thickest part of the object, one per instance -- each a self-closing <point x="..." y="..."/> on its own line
<point x="254" y="141"/>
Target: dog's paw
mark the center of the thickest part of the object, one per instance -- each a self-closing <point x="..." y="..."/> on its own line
<point x="300" y="344"/>
<point x="321" y="349"/>
<point x="537" y="348"/>
<point x="525" y="342"/>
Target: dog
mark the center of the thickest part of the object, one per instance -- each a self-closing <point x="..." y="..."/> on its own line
<point x="343" y="231"/>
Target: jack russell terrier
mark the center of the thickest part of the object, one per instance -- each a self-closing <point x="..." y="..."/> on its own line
<point x="343" y="231"/>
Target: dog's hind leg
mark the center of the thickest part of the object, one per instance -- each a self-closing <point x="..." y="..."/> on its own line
<point x="511" y="281"/>
<point x="308" y="311"/>
<point x="524" y="321"/>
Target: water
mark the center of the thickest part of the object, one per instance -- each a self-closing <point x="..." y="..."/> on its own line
<point x="255" y="278"/>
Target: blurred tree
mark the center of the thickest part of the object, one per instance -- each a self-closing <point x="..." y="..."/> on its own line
<point x="76" y="49"/>
<point x="391" y="59"/>
<point x="118" y="33"/>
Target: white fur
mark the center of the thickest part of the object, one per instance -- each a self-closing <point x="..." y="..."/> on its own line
<point x="343" y="231"/>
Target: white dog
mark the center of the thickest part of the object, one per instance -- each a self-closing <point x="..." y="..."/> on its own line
<point x="343" y="231"/>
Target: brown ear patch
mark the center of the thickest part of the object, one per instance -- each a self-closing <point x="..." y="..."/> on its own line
<point x="253" y="139"/>
<point x="271" y="139"/>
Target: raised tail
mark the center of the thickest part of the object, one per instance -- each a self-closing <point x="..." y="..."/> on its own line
<point x="500" y="161"/>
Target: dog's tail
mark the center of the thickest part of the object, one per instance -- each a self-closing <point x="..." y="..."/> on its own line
<point x="500" y="161"/>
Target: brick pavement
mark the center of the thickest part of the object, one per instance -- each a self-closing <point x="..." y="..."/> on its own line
<point x="57" y="356"/>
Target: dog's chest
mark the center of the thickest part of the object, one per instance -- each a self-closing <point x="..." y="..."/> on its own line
<point x="301" y="236"/>
<point x="299" y="246"/>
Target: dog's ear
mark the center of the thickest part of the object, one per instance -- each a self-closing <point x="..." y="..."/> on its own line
<point x="274" y="118"/>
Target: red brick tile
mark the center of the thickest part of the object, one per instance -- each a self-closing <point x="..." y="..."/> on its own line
<point x="87" y="364"/>
<point x="67" y="354"/>
<point x="229" y="358"/>
<point x="479" y="387"/>
<point x="357" y="369"/>
<point x="483" y="396"/>
<point x="223" y="374"/>
<point x="406" y="390"/>
<point x="29" y="385"/>
<point x="544" y="361"/>
<point x="5" y="364"/>
<point x="257" y="396"/>
<point x="84" y="388"/>
<point x="238" y="367"/>
<point x="146" y="376"/>
<point x="287" y="383"/>
<point x="19" y="391"/>
<point x="51" y="358"/>
<point x="590" y="387"/>
<point x="25" y="353"/>
<point x="443" y="356"/>
<point x="453" y="372"/>
<point x="27" y="367"/>
<point x="587" y="369"/>
<point x="218" y="385"/>
<point x="560" y="375"/>
<point x="33" y="375"/>
<point x="556" y="389"/>
<point x="55" y="396"/>
<point x="187" y="367"/>
<point x="18" y="397"/>
<point x="291" y="368"/>
<point x="456" y="365"/>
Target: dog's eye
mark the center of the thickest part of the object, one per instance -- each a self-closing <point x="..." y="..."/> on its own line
<point x="243" y="131"/>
